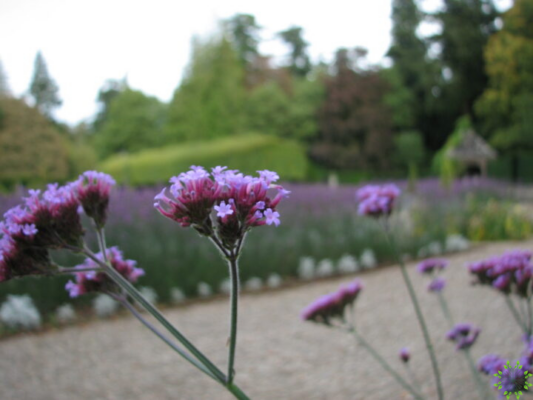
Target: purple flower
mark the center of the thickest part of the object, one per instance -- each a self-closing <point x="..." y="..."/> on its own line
<point x="92" y="189"/>
<point x="490" y="364"/>
<point x="510" y="272"/>
<point x="376" y="201"/>
<point x="437" y="284"/>
<point x="332" y="305"/>
<point x="429" y="265"/>
<point x="271" y="217"/>
<point x="94" y="281"/>
<point x="237" y="198"/>
<point x="404" y="354"/>
<point x="44" y="221"/>
<point x="223" y="209"/>
<point x="465" y="335"/>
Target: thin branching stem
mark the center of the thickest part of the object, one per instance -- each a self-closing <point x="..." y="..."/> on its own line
<point x="384" y="364"/>
<point x="418" y="311"/>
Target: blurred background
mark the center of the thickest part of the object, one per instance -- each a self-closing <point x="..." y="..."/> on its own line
<point x="434" y="95"/>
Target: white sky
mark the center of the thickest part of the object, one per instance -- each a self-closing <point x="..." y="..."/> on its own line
<point x="87" y="42"/>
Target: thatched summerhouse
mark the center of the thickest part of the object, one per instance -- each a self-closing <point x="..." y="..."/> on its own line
<point x="473" y="152"/>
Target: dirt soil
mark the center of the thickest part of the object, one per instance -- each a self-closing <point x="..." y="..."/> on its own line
<point x="278" y="356"/>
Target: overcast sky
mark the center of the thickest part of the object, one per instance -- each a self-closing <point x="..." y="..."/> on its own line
<point x="87" y="42"/>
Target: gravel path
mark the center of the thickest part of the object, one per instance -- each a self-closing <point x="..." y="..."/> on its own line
<point x="278" y="356"/>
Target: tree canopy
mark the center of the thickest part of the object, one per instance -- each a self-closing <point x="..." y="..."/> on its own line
<point x="43" y="89"/>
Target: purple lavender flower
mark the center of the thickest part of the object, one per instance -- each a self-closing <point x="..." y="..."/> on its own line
<point x="92" y="281"/>
<point x="376" y="201"/>
<point x="437" y="284"/>
<point x="92" y="189"/>
<point x="465" y="335"/>
<point x="404" y="355"/>
<point x="332" y="305"/>
<point x="430" y="265"/>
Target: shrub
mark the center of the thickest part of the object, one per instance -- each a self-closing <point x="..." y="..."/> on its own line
<point x="247" y="153"/>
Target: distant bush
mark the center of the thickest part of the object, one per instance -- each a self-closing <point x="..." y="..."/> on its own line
<point x="32" y="149"/>
<point x="246" y="153"/>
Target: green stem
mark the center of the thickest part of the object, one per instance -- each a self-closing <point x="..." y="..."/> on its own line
<point x="154" y="330"/>
<point x="419" y="315"/>
<point x="515" y="313"/>
<point x="384" y="364"/>
<point x="129" y="289"/>
<point x="445" y="309"/>
<point x="234" y="307"/>
<point x="475" y="374"/>
<point x="77" y="269"/>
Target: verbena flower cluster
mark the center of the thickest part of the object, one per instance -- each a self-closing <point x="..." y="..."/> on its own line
<point x="332" y="305"/>
<point x="404" y="354"/>
<point x="464" y="335"/>
<point x="240" y="201"/>
<point x="376" y="200"/>
<point x="93" y="281"/>
<point x="508" y="273"/>
<point x="430" y="267"/>
<point x="50" y="220"/>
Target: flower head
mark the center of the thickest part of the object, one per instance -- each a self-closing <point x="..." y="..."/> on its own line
<point x="508" y="273"/>
<point x="44" y="221"/>
<point x="376" y="201"/>
<point x="490" y="364"/>
<point x="437" y="284"/>
<point x="93" y="281"/>
<point x="465" y="335"/>
<point x="332" y="305"/>
<point x="430" y="265"/>
<point x="240" y="201"/>
<point x="92" y="189"/>
<point x="404" y="354"/>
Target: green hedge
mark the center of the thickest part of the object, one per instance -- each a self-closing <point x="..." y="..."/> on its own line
<point x="247" y="153"/>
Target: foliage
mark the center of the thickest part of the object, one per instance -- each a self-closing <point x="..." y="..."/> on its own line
<point x="244" y="34"/>
<point x="446" y="167"/>
<point x="4" y="86"/>
<point x="134" y="122"/>
<point x="110" y="90"/>
<point x="466" y="28"/>
<point x="409" y="151"/>
<point x="209" y="102"/>
<point x="355" y="124"/>
<point x="246" y="153"/>
<point x="299" y="62"/>
<point x="272" y="111"/>
<point x="43" y="88"/>
<point x="32" y="150"/>
<point x="506" y="104"/>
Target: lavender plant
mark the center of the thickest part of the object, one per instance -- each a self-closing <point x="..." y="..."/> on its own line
<point x="52" y="221"/>
<point x="378" y="202"/>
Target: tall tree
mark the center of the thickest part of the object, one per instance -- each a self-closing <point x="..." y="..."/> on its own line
<point x="507" y="103"/>
<point x="43" y="88"/>
<point x="4" y="86"/>
<point x="109" y="91"/>
<point x="355" y="124"/>
<point x="209" y="102"/>
<point x="243" y="32"/>
<point x="466" y="28"/>
<point x="299" y="62"/>
<point x="134" y="122"/>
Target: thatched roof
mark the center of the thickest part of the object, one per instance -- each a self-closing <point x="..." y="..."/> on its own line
<point x="472" y="148"/>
